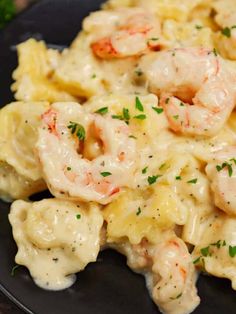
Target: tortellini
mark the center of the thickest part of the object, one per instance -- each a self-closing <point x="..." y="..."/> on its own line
<point x="143" y="214"/>
<point x="55" y="239"/>
<point x="33" y="76"/>
<point x="20" y="172"/>
<point x="78" y="71"/>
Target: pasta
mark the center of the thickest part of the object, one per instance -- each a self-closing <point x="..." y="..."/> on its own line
<point x="133" y="130"/>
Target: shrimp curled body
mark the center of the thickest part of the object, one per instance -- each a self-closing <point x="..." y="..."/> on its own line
<point x="85" y="156"/>
<point x="196" y="88"/>
<point x="136" y="32"/>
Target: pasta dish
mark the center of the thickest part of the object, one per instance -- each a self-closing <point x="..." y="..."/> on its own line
<point x="133" y="131"/>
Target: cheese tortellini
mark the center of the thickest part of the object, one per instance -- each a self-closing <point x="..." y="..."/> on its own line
<point x="55" y="239"/>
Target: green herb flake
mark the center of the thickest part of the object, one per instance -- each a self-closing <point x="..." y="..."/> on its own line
<point x="181" y="104"/>
<point x="7" y="11"/>
<point x="105" y="174"/>
<point x="193" y="181"/>
<point x="226" y="32"/>
<point x="139" y="72"/>
<point x="178" y="178"/>
<point x="144" y="170"/>
<point x="158" y="110"/>
<point x="13" y="271"/>
<point x="215" y="52"/>
<point x="167" y="100"/>
<point x="153" y="179"/>
<point x="138" y="211"/>
<point x="232" y="251"/>
<point x="117" y="117"/>
<point x="68" y="168"/>
<point x="77" y="129"/>
<point x="132" y="136"/>
<point x="198" y="27"/>
<point x="102" y="110"/>
<point x="140" y="117"/>
<point x="162" y="166"/>
<point x="138" y="104"/>
<point x="197" y="260"/>
<point x="205" y="251"/>
<point x="126" y="114"/>
<point x="78" y="216"/>
<point x="176" y="117"/>
<point x="94" y="76"/>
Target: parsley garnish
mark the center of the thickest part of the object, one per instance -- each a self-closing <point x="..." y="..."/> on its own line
<point x="228" y="165"/>
<point x="144" y="170"/>
<point x="232" y="251"/>
<point x="105" y="174"/>
<point x="178" y="178"/>
<point x="205" y="251"/>
<point x="153" y="179"/>
<point x="77" y="129"/>
<point x="118" y="117"/>
<point x="68" y="168"/>
<point x="176" y="117"/>
<point x="193" y="181"/>
<point x="94" y="76"/>
<point x="140" y="117"/>
<point x="7" y="11"/>
<point x="132" y="136"/>
<point x="215" y="52"/>
<point x="138" y="104"/>
<point x="78" y="216"/>
<point x="226" y="32"/>
<point x="138" y="212"/>
<point x="139" y="72"/>
<point x="13" y="271"/>
<point x="126" y="114"/>
<point x="102" y="110"/>
<point x="158" y="110"/>
<point x="198" y="26"/>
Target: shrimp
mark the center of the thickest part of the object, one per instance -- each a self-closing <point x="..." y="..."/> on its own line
<point x="196" y="88"/>
<point x="169" y="272"/>
<point x="85" y="156"/>
<point x="137" y="32"/>
<point x="222" y="173"/>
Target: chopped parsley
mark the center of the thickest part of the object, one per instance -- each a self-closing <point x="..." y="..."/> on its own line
<point x="7" y="11"/>
<point x="105" y="174"/>
<point x="158" y="110"/>
<point x="198" y="27"/>
<point x="153" y="179"/>
<point x="118" y="117"/>
<point x="102" y="110"/>
<point x="178" y="296"/>
<point x="226" y="32"/>
<point x="193" y="181"/>
<point x="139" y="72"/>
<point x="215" y="52"/>
<point x="77" y="129"/>
<point x="226" y="165"/>
<point x="178" y="178"/>
<point x="126" y="114"/>
<point x="205" y="251"/>
<point x="232" y="251"/>
<point x="78" y="216"/>
<point x="138" y="104"/>
<point x="140" y="117"/>
<point x="132" y="136"/>
<point x="94" y="76"/>
<point x="181" y="104"/>
<point x="138" y="211"/>
<point x="176" y="117"/>
<point x="144" y="170"/>
<point x="13" y="271"/>
<point x="68" y="168"/>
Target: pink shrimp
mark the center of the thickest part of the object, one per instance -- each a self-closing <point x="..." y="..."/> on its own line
<point x="196" y="89"/>
<point x="138" y="32"/>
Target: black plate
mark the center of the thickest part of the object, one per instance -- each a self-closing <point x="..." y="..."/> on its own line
<point x="107" y="286"/>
